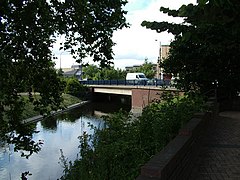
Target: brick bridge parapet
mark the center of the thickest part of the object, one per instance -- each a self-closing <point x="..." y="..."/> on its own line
<point x="176" y="160"/>
<point x="142" y="97"/>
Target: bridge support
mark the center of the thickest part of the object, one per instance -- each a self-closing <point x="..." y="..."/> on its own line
<point x="143" y="97"/>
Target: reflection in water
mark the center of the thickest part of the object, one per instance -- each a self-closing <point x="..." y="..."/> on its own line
<point x="57" y="133"/>
<point x="50" y="124"/>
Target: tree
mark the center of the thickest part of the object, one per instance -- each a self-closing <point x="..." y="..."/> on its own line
<point x="89" y="25"/>
<point x="74" y="88"/>
<point x="113" y="74"/>
<point x="28" y="29"/>
<point x="107" y="73"/>
<point x="206" y="50"/>
<point x="146" y="68"/>
<point x="91" y="72"/>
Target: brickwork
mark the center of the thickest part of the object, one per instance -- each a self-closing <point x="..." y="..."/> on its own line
<point x="143" y="97"/>
<point x="207" y="149"/>
<point x="220" y="153"/>
<point x="177" y="159"/>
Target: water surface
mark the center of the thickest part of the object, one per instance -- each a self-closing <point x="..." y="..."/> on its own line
<point x="57" y="133"/>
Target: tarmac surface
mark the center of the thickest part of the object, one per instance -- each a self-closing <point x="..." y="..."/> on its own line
<point x="220" y="153"/>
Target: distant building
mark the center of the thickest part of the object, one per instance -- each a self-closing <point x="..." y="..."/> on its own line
<point x="134" y="67"/>
<point x="74" y="71"/>
<point x="163" y="54"/>
<point x="76" y="66"/>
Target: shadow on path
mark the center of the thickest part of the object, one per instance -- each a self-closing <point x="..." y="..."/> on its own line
<point x="220" y="153"/>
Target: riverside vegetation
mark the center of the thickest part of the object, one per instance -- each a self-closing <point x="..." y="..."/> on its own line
<point x="30" y="112"/>
<point x="74" y="93"/>
<point x="21" y="137"/>
<point x="29" y="29"/>
<point x="119" y="149"/>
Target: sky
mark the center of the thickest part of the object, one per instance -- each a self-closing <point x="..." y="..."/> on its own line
<point x="135" y="44"/>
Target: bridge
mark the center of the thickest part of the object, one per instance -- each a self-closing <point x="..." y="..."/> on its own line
<point x="142" y="93"/>
<point x="153" y="82"/>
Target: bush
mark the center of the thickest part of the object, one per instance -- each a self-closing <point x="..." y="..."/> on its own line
<point x="74" y="88"/>
<point x="119" y="149"/>
<point x="160" y="122"/>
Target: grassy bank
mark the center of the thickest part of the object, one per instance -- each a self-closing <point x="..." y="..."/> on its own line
<point x="29" y="109"/>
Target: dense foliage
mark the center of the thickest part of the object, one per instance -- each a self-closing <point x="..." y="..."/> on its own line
<point x="29" y="107"/>
<point x="111" y="74"/>
<point x="108" y="73"/>
<point x="28" y="30"/>
<point x="119" y="149"/>
<point x="74" y="88"/>
<point x="206" y="50"/>
<point x="147" y="68"/>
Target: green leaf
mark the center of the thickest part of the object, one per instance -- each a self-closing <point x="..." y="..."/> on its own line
<point x="202" y="2"/>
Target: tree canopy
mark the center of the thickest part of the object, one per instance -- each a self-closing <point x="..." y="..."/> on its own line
<point x="107" y="73"/>
<point x="146" y="68"/>
<point x="206" y="50"/>
<point x="28" y="30"/>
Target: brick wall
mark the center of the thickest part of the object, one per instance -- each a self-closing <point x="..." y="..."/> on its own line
<point x="143" y="97"/>
<point x="176" y="159"/>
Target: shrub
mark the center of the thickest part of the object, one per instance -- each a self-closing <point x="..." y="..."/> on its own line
<point x="74" y="87"/>
<point x="160" y="122"/>
<point x="119" y="149"/>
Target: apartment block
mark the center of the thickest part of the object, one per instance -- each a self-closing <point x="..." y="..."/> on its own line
<point x="163" y="54"/>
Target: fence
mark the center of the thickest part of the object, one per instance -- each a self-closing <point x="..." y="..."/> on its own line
<point x="155" y="82"/>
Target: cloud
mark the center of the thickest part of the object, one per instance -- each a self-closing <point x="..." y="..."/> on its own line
<point x="136" y="43"/>
<point x="121" y="64"/>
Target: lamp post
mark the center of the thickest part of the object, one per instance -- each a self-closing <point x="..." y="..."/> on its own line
<point x="159" y="61"/>
<point x="61" y="59"/>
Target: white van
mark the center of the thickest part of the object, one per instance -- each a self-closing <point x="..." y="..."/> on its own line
<point x="136" y="76"/>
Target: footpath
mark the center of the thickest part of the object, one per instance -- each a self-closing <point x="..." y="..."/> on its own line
<point x="220" y="154"/>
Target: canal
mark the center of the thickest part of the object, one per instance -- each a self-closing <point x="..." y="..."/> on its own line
<point x="57" y="133"/>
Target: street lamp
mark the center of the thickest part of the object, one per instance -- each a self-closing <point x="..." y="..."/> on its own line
<point x="159" y="61"/>
<point x="61" y="59"/>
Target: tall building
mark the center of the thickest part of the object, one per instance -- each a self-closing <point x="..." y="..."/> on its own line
<point x="163" y="54"/>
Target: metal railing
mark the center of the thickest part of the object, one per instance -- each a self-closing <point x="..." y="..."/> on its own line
<point x="155" y="82"/>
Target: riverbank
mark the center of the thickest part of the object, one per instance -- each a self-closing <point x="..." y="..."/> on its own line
<point x="58" y="134"/>
<point x="40" y="117"/>
<point x="69" y="102"/>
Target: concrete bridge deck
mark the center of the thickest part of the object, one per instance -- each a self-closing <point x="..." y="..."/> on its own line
<point x="220" y="153"/>
<point x="126" y="90"/>
<point x="141" y="95"/>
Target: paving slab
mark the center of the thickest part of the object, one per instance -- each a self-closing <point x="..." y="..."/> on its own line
<point x="220" y="152"/>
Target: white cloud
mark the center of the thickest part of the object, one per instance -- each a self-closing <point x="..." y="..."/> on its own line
<point x="136" y="43"/>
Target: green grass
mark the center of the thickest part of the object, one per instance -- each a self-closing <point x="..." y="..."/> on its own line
<point x="29" y="110"/>
<point x="69" y="99"/>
